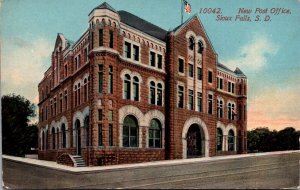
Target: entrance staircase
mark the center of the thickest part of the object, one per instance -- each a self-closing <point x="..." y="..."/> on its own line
<point x="78" y="161"/>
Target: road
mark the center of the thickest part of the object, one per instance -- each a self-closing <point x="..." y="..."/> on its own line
<point x="268" y="171"/>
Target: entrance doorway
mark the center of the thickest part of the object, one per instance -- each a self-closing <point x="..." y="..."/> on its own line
<point x="193" y="142"/>
<point x="78" y="137"/>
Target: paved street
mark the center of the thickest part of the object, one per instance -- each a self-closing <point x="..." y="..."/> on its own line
<point x="241" y="171"/>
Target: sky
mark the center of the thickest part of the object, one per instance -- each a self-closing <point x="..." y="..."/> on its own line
<point x="266" y="51"/>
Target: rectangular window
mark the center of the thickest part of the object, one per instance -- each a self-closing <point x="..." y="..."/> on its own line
<point x="66" y="71"/>
<point x="110" y="134"/>
<point x="110" y="80"/>
<point x="191" y="70"/>
<point x="54" y="106"/>
<point x="78" y="61"/>
<point x="66" y="100"/>
<point x="229" y="86"/>
<point x="221" y="84"/>
<point x="127" y="50"/>
<point x="232" y="87"/>
<point x="136" y="91"/>
<point x="152" y="95"/>
<point x="159" y="61"/>
<point x="159" y="97"/>
<point x="85" y="54"/>
<point x="100" y="37"/>
<point x="199" y="73"/>
<point x="180" y="96"/>
<point x="127" y="90"/>
<point x="92" y="41"/>
<point x="152" y="59"/>
<point x="180" y="65"/>
<point x="111" y="39"/>
<point x="100" y="78"/>
<point x="100" y="136"/>
<point x="100" y="115"/>
<point x="210" y="78"/>
<point x="199" y="101"/>
<point x="136" y="53"/>
<point x="210" y="104"/>
<point x="60" y="103"/>
<point x="191" y="100"/>
<point x="110" y="116"/>
<point x="46" y="115"/>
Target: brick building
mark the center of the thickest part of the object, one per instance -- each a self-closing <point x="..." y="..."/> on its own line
<point x="128" y="91"/>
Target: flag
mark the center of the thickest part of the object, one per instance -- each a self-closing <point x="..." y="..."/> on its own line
<point x="187" y="7"/>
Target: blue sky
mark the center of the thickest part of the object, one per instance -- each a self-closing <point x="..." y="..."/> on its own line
<point x="267" y="52"/>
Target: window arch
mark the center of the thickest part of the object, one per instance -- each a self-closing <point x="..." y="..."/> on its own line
<point x="130" y="132"/>
<point x="64" y="135"/>
<point x="219" y="139"/>
<point x="191" y="43"/>
<point x="231" y="140"/>
<point x="155" y="134"/>
<point x="200" y="47"/>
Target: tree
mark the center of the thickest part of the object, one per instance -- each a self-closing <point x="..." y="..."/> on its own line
<point x="263" y="140"/>
<point x="17" y="135"/>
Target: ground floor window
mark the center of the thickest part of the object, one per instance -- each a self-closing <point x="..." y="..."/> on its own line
<point x="130" y="132"/>
<point x="155" y="134"/>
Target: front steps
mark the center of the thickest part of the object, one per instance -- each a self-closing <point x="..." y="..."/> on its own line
<point x="78" y="161"/>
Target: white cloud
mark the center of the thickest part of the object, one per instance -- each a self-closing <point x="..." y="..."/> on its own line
<point x="254" y="54"/>
<point x="23" y="66"/>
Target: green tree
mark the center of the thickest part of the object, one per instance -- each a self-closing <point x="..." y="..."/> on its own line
<point x="17" y="135"/>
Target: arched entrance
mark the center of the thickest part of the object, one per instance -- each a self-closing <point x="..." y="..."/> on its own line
<point x="78" y="137"/>
<point x="194" y="142"/>
<point x="195" y="139"/>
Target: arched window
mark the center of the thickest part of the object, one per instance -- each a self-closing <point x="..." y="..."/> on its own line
<point x="127" y="82"/>
<point x="231" y="143"/>
<point x="135" y="88"/>
<point x="64" y="135"/>
<point x="130" y="132"/>
<point x="87" y="130"/>
<point x="75" y="95"/>
<point x="200" y="47"/>
<point x="219" y="139"/>
<point x="78" y="94"/>
<point x="233" y="112"/>
<point x="191" y="43"/>
<point x="46" y="139"/>
<point x="159" y="94"/>
<point x="229" y="111"/>
<point x="152" y="92"/>
<point x="53" y="138"/>
<point x="155" y="134"/>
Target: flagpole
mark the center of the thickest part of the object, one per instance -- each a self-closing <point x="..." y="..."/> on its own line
<point x="181" y="11"/>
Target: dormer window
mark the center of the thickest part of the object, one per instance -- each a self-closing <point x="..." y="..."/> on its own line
<point x="200" y="47"/>
<point x="191" y="43"/>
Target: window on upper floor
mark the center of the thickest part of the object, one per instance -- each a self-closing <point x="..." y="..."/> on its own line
<point x="131" y="88"/>
<point x="152" y="59"/>
<point x="110" y="80"/>
<point x="66" y="70"/>
<point x="220" y="108"/>
<point x="210" y="76"/>
<point x="155" y="93"/>
<point x="180" y="96"/>
<point x="200" y="47"/>
<point x="191" y="70"/>
<point x="86" y="54"/>
<point x="152" y="92"/>
<point x="210" y="104"/>
<point x="229" y="86"/>
<point x="199" y="101"/>
<point x="191" y="100"/>
<point x="100" y="78"/>
<point x="159" y="61"/>
<point x="220" y="83"/>
<point x="231" y="111"/>
<point x="54" y="104"/>
<point x="159" y="94"/>
<point x="85" y="90"/>
<point x="127" y="50"/>
<point x="66" y="99"/>
<point x="136" y="52"/>
<point x="111" y="39"/>
<point x="199" y="73"/>
<point x="60" y="102"/>
<point x="180" y="65"/>
<point x="191" y="43"/>
<point x="100" y="37"/>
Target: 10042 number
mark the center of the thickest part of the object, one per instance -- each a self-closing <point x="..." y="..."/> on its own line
<point x="210" y="11"/>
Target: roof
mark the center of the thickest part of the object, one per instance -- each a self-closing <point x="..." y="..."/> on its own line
<point x="142" y="25"/>
<point x="224" y="67"/>
<point x="104" y="6"/>
<point x="239" y="72"/>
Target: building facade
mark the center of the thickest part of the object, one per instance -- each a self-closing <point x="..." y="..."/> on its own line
<point x="128" y="91"/>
